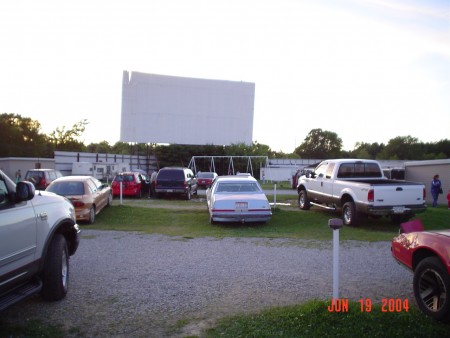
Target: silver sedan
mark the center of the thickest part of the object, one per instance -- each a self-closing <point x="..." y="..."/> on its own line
<point x="237" y="198"/>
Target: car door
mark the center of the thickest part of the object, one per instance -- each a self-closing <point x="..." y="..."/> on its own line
<point x="315" y="185"/>
<point x="100" y="194"/>
<point x="18" y="229"/>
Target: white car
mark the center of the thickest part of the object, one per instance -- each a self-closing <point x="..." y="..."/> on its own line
<point x="237" y="198"/>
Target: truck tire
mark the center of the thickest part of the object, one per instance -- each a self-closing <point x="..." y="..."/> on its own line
<point x="55" y="276"/>
<point x="349" y="214"/>
<point x="303" y="200"/>
<point x="431" y="285"/>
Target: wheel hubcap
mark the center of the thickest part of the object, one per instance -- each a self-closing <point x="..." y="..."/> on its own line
<point x="432" y="290"/>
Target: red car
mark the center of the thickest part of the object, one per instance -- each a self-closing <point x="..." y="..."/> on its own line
<point x="427" y="255"/>
<point x="204" y="179"/>
<point x="133" y="184"/>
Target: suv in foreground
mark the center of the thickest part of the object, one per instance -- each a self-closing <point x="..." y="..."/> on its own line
<point x="38" y="234"/>
<point x="176" y="180"/>
<point x="41" y="178"/>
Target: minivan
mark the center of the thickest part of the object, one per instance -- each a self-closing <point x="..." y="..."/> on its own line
<point x="176" y="181"/>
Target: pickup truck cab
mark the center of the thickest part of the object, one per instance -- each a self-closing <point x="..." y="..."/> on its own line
<point x="358" y="187"/>
<point x="38" y="234"/>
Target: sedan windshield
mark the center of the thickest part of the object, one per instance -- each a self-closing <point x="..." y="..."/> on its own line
<point x="237" y="187"/>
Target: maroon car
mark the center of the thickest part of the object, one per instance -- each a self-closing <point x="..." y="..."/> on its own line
<point x="205" y="178"/>
<point x="427" y="255"/>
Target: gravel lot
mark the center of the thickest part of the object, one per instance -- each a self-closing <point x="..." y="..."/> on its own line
<point x="136" y="285"/>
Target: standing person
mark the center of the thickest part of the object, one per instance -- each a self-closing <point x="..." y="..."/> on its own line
<point x="436" y="189"/>
<point x="18" y="176"/>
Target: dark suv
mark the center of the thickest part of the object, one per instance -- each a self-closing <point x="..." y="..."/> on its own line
<point x="176" y="180"/>
<point x="41" y="178"/>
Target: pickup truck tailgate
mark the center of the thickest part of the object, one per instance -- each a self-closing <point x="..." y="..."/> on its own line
<point x="402" y="194"/>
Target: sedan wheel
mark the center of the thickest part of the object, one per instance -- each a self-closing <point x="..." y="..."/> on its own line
<point x="91" y="215"/>
<point x="432" y="288"/>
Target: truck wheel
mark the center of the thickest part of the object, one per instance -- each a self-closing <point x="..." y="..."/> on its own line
<point x="303" y="200"/>
<point x="349" y="215"/>
<point x="55" y="276"/>
<point x="432" y="288"/>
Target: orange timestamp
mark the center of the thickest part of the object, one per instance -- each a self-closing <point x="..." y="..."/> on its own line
<point x="366" y="305"/>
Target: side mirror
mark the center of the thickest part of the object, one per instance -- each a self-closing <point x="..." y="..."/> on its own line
<point x="24" y="191"/>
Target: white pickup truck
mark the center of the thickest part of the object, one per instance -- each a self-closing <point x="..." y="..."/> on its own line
<point x="358" y="187"/>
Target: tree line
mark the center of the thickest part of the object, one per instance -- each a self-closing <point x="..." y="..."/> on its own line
<point x="22" y="137"/>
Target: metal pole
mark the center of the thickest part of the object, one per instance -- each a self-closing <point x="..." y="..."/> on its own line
<point x="336" y="264"/>
<point x="274" y="195"/>
<point x="120" y="192"/>
<point x="335" y="224"/>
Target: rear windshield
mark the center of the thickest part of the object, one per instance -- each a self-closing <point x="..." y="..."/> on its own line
<point x="170" y="174"/>
<point x="237" y="187"/>
<point x="31" y="174"/>
<point x="67" y="188"/>
<point x="124" y="178"/>
<point x="354" y="170"/>
<point x="205" y="175"/>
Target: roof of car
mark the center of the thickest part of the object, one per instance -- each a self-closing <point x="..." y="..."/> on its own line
<point x="45" y="169"/>
<point x="74" y="178"/>
<point x="238" y="177"/>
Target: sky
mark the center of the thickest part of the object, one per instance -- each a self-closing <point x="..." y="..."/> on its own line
<point x="367" y="70"/>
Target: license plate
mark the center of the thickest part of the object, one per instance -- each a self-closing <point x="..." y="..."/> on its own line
<point x="169" y="190"/>
<point x="241" y="205"/>
<point x="398" y="210"/>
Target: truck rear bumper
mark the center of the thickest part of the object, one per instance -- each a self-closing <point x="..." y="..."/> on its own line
<point x="396" y="210"/>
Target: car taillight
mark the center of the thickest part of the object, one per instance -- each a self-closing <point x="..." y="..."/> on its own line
<point x="77" y="204"/>
<point x="371" y="195"/>
<point x="424" y="194"/>
<point x="184" y="184"/>
<point x="42" y="183"/>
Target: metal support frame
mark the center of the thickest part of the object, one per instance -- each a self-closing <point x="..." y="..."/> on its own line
<point x="231" y="168"/>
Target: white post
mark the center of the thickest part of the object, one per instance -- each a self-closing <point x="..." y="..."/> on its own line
<point x="335" y="224"/>
<point x="274" y="195"/>
<point x="336" y="264"/>
<point x="120" y="192"/>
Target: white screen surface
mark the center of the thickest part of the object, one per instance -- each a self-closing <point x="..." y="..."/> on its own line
<point x="169" y="109"/>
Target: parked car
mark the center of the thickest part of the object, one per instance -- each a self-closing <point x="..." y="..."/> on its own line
<point x="41" y="178"/>
<point x="237" y="198"/>
<point x="88" y="195"/>
<point x="427" y="255"/>
<point x="205" y="178"/>
<point x="38" y="234"/>
<point x="176" y="181"/>
<point x="133" y="184"/>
